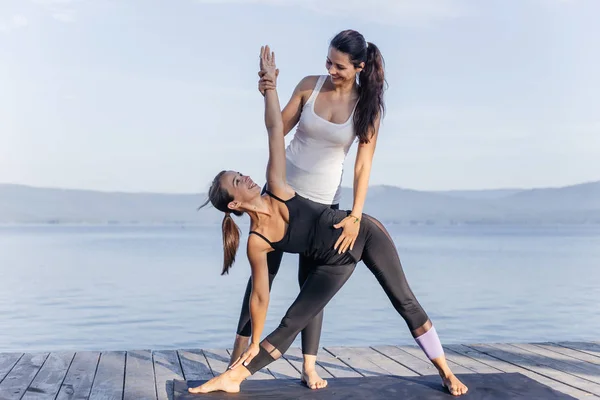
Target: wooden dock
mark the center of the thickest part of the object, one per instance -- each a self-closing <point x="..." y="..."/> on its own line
<point x="569" y="367"/>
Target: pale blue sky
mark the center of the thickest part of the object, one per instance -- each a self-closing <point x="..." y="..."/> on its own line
<point x="161" y="95"/>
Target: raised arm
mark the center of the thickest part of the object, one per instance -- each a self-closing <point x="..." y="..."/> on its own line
<point x="293" y="109"/>
<point x="276" y="181"/>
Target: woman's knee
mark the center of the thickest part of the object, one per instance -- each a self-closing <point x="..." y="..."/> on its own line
<point x="415" y="316"/>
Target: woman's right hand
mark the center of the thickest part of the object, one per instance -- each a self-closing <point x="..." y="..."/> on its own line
<point x="251" y="352"/>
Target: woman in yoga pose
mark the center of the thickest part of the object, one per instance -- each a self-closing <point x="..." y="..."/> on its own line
<point x="285" y="221"/>
<point x="331" y="112"/>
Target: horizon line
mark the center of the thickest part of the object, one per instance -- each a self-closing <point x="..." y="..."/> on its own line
<point x="343" y="187"/>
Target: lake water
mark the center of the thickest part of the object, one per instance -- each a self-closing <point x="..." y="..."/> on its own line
<point x="159" y="287"/>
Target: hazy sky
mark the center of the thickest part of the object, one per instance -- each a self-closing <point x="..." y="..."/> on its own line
<point x="160" y="95"/>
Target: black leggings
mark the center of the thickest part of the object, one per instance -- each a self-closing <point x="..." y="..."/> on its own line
<point x="311" y="334"/>
<point x="324" y="281"/>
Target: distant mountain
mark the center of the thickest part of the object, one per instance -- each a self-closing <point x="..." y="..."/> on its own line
<point x="571" y="204"/>
<point x="577" y="204"/>
<point x="480" y="194"/>
<point x="28" y="204"/>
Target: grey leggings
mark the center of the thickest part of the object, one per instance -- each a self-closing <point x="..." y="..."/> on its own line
<point x="324" y="281"/>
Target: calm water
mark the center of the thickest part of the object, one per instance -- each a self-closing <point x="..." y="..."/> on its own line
<point x="111" y="288"/>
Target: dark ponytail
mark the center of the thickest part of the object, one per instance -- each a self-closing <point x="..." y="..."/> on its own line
<point x="371" y="80"/>
<point x="371" y="85"/>
<point x="220" y="198"/>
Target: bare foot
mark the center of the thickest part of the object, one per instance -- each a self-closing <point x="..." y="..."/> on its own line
<point x="226" y="382"/>
<point x="454" y="386"/>
<point x="312" y="379"/>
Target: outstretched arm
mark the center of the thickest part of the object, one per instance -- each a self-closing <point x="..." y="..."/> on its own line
<point x="276" y="180"/>
<point x="259" y="299"/>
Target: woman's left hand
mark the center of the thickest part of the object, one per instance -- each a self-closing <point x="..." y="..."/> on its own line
<point x="266" y="82"/>
<point x="267" y="61"/>
<point x="346" y="240"/>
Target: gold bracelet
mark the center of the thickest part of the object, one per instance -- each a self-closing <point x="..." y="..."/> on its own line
<point x="355" y="217"/>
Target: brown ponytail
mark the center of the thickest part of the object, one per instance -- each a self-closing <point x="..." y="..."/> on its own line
<point x="231" y="242"/>
<point x="220" y="198"/>
<point x="371" y="80"/>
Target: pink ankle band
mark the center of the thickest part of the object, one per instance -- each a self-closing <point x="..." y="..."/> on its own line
<point x="430" y="344"/>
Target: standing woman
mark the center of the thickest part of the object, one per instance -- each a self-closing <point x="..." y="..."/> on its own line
<point x="331" y="111"/>
<point x="282" y="220"/>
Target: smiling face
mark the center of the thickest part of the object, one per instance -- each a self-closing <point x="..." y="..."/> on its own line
<point x="340" y="67"/>
<point x="241" y="187"/>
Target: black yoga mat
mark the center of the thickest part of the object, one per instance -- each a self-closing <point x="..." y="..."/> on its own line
<point x="502" y="386"/>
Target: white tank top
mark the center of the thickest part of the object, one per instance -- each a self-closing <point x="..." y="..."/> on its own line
<point x="315" y="156"/>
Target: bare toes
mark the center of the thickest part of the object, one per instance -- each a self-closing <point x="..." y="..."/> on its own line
<point x="195" y="390"/>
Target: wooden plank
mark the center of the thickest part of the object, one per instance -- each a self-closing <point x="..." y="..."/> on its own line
<point x="585" y="347"/>
<point x="569" y="367"/>
<point x="139" y="376"/>
<point x="562" y="362"/>
<point x="509" y="367"/>
<point x="110" y="376"/>
<point x="49" y="379"/>
<point x="408" y="360"/>
<point x="78" y="382"/>
<point x="335" y="366"/>
<point x="475" y="365"/>
<point x="294" y="356"/>
<point x="19" y="378"/>
<point x="580" y="355"/>
<point x="194" y="365"/>
<point x="353" y="357"/>
<point x="280" y="369"/>
<point x="7" y="362"/>
<point x="166" y="368"/>
<point x="385" y="363"/>
<point x="417" y="352"/>
<point x="514" y="357"/>
<point x="218" y="360"/>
